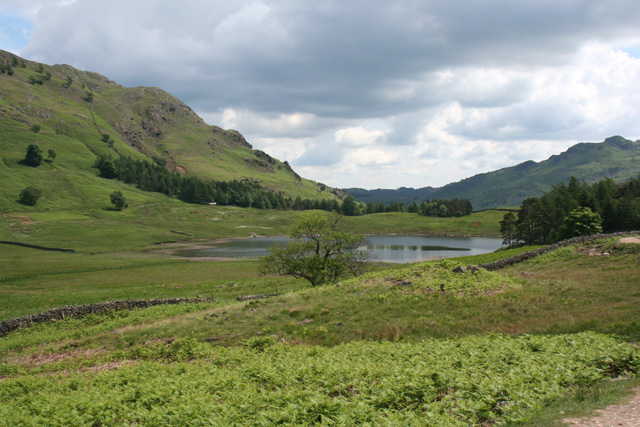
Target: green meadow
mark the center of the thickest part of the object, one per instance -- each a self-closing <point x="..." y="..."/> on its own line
<point x="411" y="344"/>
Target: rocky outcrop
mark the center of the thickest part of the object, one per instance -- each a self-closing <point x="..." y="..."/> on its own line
<point x="255" y="297"/>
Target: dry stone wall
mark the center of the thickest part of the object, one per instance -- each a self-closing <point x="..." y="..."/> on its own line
<point x="61" y="313"/>
<point x="43" y="248"/>
<point x="496" y="265"/>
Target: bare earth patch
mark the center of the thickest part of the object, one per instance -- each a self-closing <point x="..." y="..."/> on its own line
<point x="39" y="359"/>
<point x="626" y="415"/>
<point x="635" y="240"/>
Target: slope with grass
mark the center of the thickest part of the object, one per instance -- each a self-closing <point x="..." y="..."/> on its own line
<point x="80" y="115"/>
<point x="392" y="348"/>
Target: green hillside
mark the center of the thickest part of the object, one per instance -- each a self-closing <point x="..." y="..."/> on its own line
<point x="70" y="111"/>
<point x="616" y="158"/>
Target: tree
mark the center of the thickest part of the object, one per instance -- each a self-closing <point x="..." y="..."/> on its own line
<point x="33" y="156"/>
<point x="320" y="250"/>
<point x="508" y="228"/>
<point x="52" y="155"/>
<point x="533" y="225"/>
<point x="35" y="128"/>
<point x="106" y="166"/>
<point x="349" y="206"/>
<point x="581" y="222"/>
<point x="118" y="200"/>
<point x="30" y="195"/>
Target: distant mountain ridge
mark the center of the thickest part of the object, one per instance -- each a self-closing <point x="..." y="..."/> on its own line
<point x="616" y="158"/>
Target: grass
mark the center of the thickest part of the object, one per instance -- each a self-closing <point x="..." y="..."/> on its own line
<point x="583" y="403"/>
<point x="564" y="292"/>
<point x="580" y="293"/>
<point x="560" y="293"/>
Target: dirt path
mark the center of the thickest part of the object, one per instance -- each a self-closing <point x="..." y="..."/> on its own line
<point x="625" y="415"/>
<point x="635" y="240"/>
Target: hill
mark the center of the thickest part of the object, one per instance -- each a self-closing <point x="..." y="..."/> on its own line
<point x="81" y="115"/>
<point x="616" y="158"/>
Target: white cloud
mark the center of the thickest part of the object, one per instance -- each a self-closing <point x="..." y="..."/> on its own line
<point x="372" y="157"/>
<point x="357" y="136"/>
<point x="29" y="9"/>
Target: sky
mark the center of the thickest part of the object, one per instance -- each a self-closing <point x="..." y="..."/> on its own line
<point x="371" y="94"/>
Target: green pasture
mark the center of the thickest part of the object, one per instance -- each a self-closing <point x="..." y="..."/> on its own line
<point x="561" y="294"/>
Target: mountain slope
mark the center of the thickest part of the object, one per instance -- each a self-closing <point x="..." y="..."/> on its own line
<point x="81" y="115"/>
<point x="616" y="158"/>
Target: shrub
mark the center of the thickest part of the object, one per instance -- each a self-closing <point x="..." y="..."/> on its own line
<point x="30" y="195"/>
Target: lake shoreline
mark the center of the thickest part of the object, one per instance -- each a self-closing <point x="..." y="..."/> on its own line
<point x="172" y="250"/>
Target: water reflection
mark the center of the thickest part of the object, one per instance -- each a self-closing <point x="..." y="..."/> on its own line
<point x="373" y="247"/>
<point x="397" y="249"/>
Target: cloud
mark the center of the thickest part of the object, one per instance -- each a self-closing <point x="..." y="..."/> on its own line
<point x="372" y="157"/>
<point x="29" y="9"/>
<point x="357" y="136"/>
<point x="416" y="84"/>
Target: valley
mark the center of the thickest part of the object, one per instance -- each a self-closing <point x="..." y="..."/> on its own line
<point x="441" y="342"/>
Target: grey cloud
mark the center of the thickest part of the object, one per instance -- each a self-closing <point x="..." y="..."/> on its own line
<point x="345" y="62"/>
<point x="328" y="58"/>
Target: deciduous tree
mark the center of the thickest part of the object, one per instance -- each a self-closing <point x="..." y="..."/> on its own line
<point x="118" y="200"/>
<point x="321" y="250"/>
<point x="581" y="221"/>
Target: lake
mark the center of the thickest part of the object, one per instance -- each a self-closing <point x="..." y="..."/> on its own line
<point x="396" y="249"/>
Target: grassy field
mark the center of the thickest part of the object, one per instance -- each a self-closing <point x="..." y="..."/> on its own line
<point x="335" y="344"/>
<point x="113" y="257"/>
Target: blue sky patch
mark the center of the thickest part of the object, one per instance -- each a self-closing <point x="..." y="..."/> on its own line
<point x="14" y="33"/>
<point x="633" y="51"/>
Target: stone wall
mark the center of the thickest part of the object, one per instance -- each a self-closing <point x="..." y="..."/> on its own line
<point x="496" y="265"/>
<point x="43" y="248"/>
<point x="82" y="310"/>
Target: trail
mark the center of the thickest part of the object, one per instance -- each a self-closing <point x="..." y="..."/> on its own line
<point x="625" y="415"/>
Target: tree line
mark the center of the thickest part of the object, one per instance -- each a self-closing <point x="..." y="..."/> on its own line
<point x="436" y="207"/>
<point x="155" y="177"/>
<point x="575" y="209"/>
<point x="150" y="176"/>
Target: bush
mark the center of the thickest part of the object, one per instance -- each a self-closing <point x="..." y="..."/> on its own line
<point x="30" y="195"/>
<point x="118" y="200"/>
